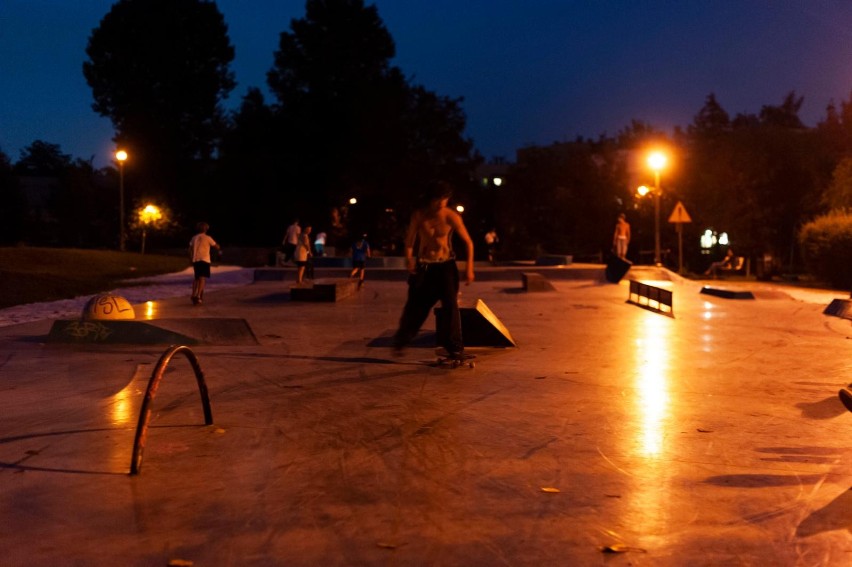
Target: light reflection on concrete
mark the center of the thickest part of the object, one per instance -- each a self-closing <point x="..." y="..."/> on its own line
<point x="122" y="406"/>
<point x="652" y="383"/>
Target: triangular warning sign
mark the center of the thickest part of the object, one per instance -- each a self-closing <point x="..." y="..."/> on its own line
<point x="679" y="214"/>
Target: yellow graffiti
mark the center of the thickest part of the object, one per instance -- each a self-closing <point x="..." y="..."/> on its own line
<point x="87" y="330"/>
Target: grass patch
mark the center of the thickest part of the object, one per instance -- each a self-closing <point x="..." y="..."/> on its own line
<point x="30" y="275"/>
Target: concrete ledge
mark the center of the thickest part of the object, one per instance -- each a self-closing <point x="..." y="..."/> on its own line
<point x="190" y="332"/>
<point x="325" y="290"/>
<point x="533" y="281"/>
<point x="553" y="260"/>
<point x="269" y="274"/>
<point x="332" y="262"/>
<point x="727" y="293"/>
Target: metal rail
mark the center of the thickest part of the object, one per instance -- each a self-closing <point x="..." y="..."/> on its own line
<point x="650" y="297"/>
<point x="153" y="385"/>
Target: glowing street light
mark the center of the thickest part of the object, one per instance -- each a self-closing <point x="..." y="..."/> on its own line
<point x="147" y="216"/>
<point x="121" y="157"/>
<point x="657" y="161"/>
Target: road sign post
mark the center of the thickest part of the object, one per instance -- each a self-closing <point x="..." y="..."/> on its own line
<point x="678" y="217"/>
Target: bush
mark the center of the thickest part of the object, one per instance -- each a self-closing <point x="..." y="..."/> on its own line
<point x="826" y="245"/>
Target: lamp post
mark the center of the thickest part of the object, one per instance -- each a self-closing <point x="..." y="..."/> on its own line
<point x="147" y="216"/>
<point x="121" y="157"/>
<point x="657" y="161"/>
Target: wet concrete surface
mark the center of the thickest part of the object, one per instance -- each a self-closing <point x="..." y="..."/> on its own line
<point x="611" y="435"/>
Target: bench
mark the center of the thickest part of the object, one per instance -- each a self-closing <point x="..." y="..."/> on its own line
<point x="737" y="267"/>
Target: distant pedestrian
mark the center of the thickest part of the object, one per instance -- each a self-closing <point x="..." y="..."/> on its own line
<point x="621" y="237"/>
<point x="199" y="255"/>
<point x="319" y="244"/>
<point x="303" y="253"/>
<point x="491" y="241"/>
<point x="360" y="253"/>
<point x="291" y="240"/>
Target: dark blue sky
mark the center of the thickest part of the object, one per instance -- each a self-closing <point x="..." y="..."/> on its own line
<point x="530" y="71"/>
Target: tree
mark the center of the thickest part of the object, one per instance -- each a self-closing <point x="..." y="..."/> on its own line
<point x="14" y="207"/>
<point x="42" y="158"/>
<point x="159" y="69"/>
<point x="354" y="126"/>
<point x="756" y="180"/>
<point x="839" y="192"/>
<point x="562" y="198"/>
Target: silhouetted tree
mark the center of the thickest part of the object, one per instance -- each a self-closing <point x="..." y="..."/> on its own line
<point x="838" y="195"/>
<point x="42" y="158"/>
<point x="159" y="70"/>
<point x="354" y="126"/>
<point x="757" y="180"/>
<point x="13" y="211"/>
<point x="562" y="198"/>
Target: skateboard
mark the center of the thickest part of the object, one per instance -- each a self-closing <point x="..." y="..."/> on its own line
<point x="446" y="361"/>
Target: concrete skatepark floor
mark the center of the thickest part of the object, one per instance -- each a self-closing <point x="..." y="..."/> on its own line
<point x="611" y="435"/>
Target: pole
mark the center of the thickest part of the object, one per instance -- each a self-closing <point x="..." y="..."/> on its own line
<point x="680" y="248"/>
<point x="657" y="256"/>
<point x="121" y="237"/>
<point x="143" y="241"/>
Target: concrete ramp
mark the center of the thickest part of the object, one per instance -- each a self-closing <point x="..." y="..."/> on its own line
<point x="190" y="332"/>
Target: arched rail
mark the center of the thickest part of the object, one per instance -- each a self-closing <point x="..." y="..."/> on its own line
<point x="153" y="385"/>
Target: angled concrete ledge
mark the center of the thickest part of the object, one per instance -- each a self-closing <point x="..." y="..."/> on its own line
<point x="839" y="308"/>
<point x="533" y="281"/>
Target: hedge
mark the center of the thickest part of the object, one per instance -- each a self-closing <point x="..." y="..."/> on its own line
<point x="826" y="244"/>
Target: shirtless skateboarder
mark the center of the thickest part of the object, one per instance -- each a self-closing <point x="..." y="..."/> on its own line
<point x="433" y="272"/>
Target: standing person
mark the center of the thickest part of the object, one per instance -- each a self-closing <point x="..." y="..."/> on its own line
<point x="319" y="244"/>
<point x="291" y="240"/>
<point x="302" y="253"/>
<point x="433" y="272"/>
<point x="491" y="240"/>
<point x="621" y="236"/>
<point x="360" y="253"/>
<point x="199" y="254"/>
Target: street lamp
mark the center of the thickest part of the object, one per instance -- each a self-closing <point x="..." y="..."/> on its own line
<point x="657" y="161"/>
<point x="148" y="215"/>
<point x="121" y="157"/>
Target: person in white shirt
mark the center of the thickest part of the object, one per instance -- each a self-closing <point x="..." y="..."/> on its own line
<point x="199" y="254"/>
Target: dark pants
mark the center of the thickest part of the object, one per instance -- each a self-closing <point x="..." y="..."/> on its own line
<point x="289" y="249"/>
<point x="431" y="283"/>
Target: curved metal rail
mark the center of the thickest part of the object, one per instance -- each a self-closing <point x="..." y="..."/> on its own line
<point x="153" y="385"/>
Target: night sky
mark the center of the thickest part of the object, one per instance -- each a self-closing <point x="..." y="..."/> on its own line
<point x="530" y="71"/>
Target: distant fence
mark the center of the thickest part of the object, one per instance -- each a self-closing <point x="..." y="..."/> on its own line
<point x="653" y="298"/>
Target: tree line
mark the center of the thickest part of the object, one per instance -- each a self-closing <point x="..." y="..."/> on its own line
<point x="345" y="122"/>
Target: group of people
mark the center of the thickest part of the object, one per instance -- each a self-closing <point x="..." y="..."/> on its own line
<point x="430" y="260"/>
<point x="297" y="247"/>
